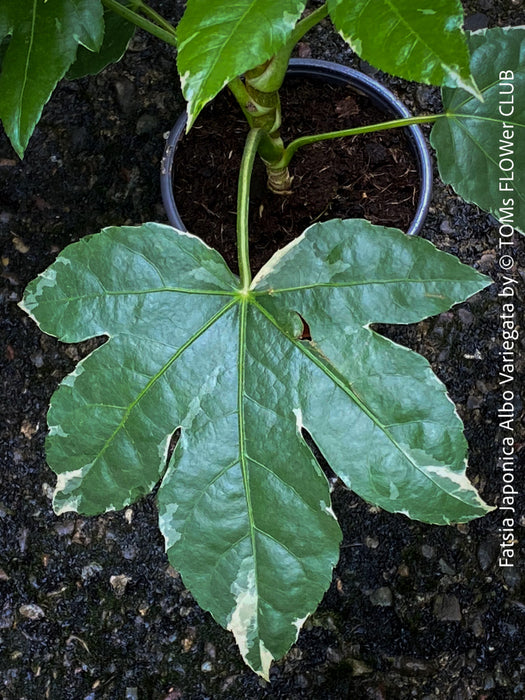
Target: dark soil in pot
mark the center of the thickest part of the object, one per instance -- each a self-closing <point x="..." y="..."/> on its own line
<point x="89" y="608"/>
<point x="372" y="176"/>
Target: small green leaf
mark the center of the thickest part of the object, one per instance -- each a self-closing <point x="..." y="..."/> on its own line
<point x="476" y="136"/>
<point x="243" y="505"/>
<point x="44" y="37"/>
<point x="410" y="39"/>
<point x="117" y="35"/>
<point x="219" y="41"/>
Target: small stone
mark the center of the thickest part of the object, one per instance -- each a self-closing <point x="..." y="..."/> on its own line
<point x="65" y="527"/>
<point x="31" y="611"/>
<point x="3" y="575"/>
<point x="359" y="668"/>
<point x="445" y="227"/>
<point x="474" y="402"/>
<point x="125" y="94"/>
<point x="304" y="50"/>
<point x="207" y="666"/>
<point x="119" y="583"/>
<point x="403" y="570"/>
<point x="20" y="245"/>
<point x="489" y="682"/>
<point x="48" y="490"/>
<point x="427" y="551"/>
<point x="411" y="667"/>
<point x="146" y="124"/>
<point x="37" y="359"/>
<point x="334" y="656"/>
<point x="446" y="568"/>
<point x="487" y="261"/>
<point x="466" y="316"/>
<point x="487" y="553"/>
<point x="381" y="597"/>
<point x="512" y="577"/>
<point x="187" y="644"/>
<point x="28" y="430"/>
<point x="132" y="694"/>
<point x="446" y="608"/>
<point x="90" y="570"/>
<point x="477" y="628"/>
<point x="371" y="542"/>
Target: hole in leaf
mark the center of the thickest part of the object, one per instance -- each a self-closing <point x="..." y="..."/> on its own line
<point x="305" y="333"/>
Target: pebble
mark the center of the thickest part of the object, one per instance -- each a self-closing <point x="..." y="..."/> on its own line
<point x="446" y="568"/>
<point x="146" y="124"/>
<point x="125" y="95"/>
<point x="465" y="316"/>
<point x="445" y="227"/>
<point x="487" y="553"/>
<point x="410" y="666"/>
<point x="359" y="668"/>
<point x="381" y="597"/>
<point x="427" y="551"/>
<point x="119" y="583"/>
<point x="31" y="611"/>
<point x="90" y="570"/>
<point x="207" y="666"/>
<point x="446" y="608"/>
<point x="512" y="577"/>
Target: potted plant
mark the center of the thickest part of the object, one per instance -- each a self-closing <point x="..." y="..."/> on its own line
<point x="242" y="366"/>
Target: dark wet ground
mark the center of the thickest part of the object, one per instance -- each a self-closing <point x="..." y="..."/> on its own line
<point x="89" y="608"/>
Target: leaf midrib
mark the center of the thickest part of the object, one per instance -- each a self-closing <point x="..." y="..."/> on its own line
<point x="26" y="70"/>
<point x="316" y="285"/>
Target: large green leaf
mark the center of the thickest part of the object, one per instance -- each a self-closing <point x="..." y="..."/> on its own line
<point x="220" y="40"/>
<point x="117" y="35"/>
<point x="243" y="505"/>
<point x="475" y="137"/>
<point x="43" y="44"/>
<point x="421" y="41"/>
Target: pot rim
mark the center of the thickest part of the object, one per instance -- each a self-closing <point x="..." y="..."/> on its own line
<point x="336" y="72"/>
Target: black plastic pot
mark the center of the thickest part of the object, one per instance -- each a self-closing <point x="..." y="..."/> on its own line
<point x="326" y="71"/>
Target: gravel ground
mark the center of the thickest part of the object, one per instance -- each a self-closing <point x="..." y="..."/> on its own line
<point x="89" y="607"/>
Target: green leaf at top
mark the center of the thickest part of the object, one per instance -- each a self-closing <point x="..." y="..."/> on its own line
<point x="218" y="41"/>
<point x="44" y="37"/>
<point x="117" y="35"/>
<point x="243" y="505"/>
<point x="474" y="137"/>
<point x="420" y="41"/>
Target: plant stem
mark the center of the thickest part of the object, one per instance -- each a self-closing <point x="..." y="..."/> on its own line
<point x="141" y="22"/>
<point x="307" y="23"/>
<point x="290" y="150"/>
<point x="154" y="15"/>
<point x="243" y="207"/>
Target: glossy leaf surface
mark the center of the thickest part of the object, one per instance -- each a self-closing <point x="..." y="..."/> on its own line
<point x="243" y="504"/>
<point x="219" y="41"/>
<point x="44" y="37"/>
<point x="479" y="137"/>
<point x="117" y="35"/>
<point x="414" y="40"/>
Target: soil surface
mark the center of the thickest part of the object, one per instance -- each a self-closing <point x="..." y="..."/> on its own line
<point x="372" y="176"/>
<point x="89" y="607"/>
